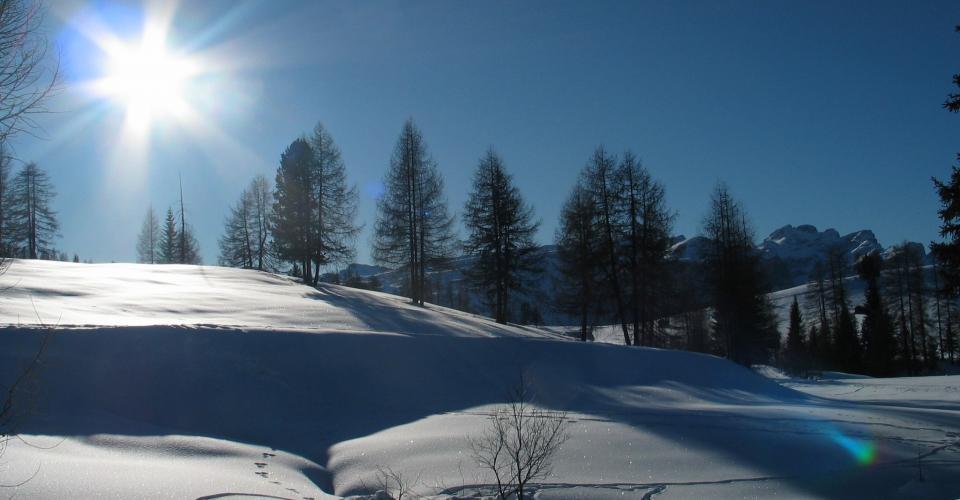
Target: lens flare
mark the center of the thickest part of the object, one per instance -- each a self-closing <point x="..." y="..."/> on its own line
<point x="865" y="452"/>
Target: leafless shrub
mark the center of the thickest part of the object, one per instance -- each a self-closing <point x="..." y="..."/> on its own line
<point x="520" y="443"/>
<point x="394" y="483"/>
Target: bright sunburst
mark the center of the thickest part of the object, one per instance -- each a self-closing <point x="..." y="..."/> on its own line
<point x="147" y="78"/>
<point x="156" y="90"/>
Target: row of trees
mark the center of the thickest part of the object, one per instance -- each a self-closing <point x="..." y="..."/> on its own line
<point x="307" y="221"/>
<point x="613" y="248"/>
<point x="613" y="241"/>
<point x="28" y="223"/>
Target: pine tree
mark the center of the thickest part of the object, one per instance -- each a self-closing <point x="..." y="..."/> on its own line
<point x="577" y="250"/>
<point x="262" y="204"/>
<point x="599" y="179"/>
<point x="334" y="204"/>
<point x="952" y="103"/>
<point x="742" y="315"/>
<point x="188" y="250"/>
<point x="847" y="349"/>
<point x="876" y="331"/>
<point x="501" y="231"/>
<point x="795" y="351"/>
<point x="820" y="342"/>
<point x="644" y="223"/>
<point x="148" y="241"/>
<point x="413" y="228"/>
<point x="947" y="253"/>
<point x="33" y="223"/>
<point x="813" y="340"/>
<point x="169" y="238"/>
<point x="898" y="289"/>
<point x="237" y="241"/>
<point x="919" y="299"/>
<point x="292" y="208"/>
<point x="950" y="341"/>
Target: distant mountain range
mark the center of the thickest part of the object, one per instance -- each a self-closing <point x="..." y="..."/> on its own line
<point x="788" y="253"/>
<point x="791" y="252"/>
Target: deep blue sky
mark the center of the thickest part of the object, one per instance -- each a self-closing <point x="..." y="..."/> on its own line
<point x="820" y="112"/>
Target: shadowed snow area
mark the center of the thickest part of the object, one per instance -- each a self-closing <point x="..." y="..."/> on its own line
<point x="204" y="382"/>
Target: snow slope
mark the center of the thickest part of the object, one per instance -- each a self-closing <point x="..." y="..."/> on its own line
<point x="80" y="295"/>
<point x="187" y="382"/>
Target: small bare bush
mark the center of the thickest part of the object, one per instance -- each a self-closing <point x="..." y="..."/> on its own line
<point x="519" y="444"/>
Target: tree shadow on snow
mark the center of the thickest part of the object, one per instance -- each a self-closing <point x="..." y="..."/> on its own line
<point x="305" y="392"/>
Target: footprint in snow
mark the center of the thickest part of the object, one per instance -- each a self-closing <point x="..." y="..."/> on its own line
<point x="262" y="474"/>
<point x="260" y="465"/>
<point x="268" y="455"/>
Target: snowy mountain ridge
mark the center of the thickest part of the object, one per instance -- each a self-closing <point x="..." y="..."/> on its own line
<point x="796" y="243"/>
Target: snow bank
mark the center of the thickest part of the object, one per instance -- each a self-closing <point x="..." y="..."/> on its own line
<point x="206" y="382"/>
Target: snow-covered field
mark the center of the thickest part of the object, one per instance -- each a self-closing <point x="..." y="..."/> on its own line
<point x="203" y="382"/>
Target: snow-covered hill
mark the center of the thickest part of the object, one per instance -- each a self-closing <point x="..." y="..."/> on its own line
<point x="204" y="382"/>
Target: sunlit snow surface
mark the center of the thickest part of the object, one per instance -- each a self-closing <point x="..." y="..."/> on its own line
<point x="202" y="382"/>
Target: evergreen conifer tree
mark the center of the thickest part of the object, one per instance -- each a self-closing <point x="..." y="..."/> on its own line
<point x="742" y="315"/>
<point x="169" y="238"/>
<point x="876" y="331"/>
<point x="577" y="250"/>
<point x="33" y="222"/>
<point x="500" y="237"/>
<point x="292" y="217"/>
<point x="795" y="353"/>
<point x="644" y="224"/>
<point x="148" y="242"/>
<point x="334" y="204"/>
<point x="413" y="228"/>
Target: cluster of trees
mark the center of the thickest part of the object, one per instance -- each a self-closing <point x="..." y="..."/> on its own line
<point x="743" y="318"/>
<point x="28" y="224"/>
<point x="909" y="310"/>
<point x="304" y="223"/>
<point x="615" y="266"/>
<point x="612" y="242"/>
<point x="907" y="317"/>
<point x="246" y="238"/>
<point x="167" y="243"/>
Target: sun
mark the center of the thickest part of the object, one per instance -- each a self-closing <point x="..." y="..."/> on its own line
<point x="147" y="78"/>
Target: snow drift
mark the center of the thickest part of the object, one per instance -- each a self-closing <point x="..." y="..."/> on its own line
<point x="183" y="381"/>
